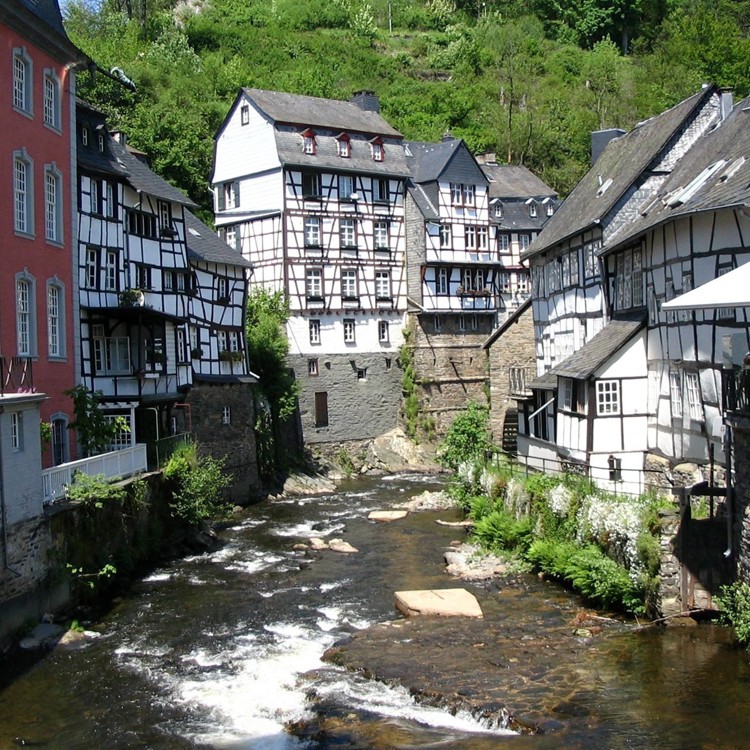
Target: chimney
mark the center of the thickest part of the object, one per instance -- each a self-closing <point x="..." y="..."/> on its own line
<point x="486" y="157"/>
<point x="727" y="102"/>
<point x="366" y="100"/>
<point x="600" y="139"/>
<point x="447" y="137"/>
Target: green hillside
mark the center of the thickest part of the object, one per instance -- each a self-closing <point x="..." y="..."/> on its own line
<point x="528" y="80"/>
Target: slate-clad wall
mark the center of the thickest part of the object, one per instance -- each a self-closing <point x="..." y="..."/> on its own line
<point x="741" y="439"/>
<point x="357" y="408"/>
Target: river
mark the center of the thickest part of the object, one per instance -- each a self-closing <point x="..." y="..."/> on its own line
<point x="224" y="651"/>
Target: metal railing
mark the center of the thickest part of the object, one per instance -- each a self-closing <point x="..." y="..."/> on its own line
<point x="16" y="375"/>
<point x="160" y="450"/>
<point x="113" y="465"/>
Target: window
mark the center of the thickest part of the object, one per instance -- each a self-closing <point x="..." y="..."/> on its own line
<point x="311" y="185"/>
<point x="383" y="334"/>
<point x="574" y="272"/>
<point x="628" y="280"/>
<point x="22" y="91"/>
<point x="349" y="284"/>
<point x="111" y="207"/>
<point x="222" y="288"/>
<point x="23" y="194"/>
<point x="122" y="437"/>
<point x="312" y="368"/>
<point x="344" y="147"/>
<point x="442" y="281"/>
<point x="347" y="233"/>
<point x="52" y="205"/>
<point x="380" y="190"/>
<point x="724" y="313"/>
<point x="472" y="280"/>
<point x="92" y="268"/>
<point x="607" y="397"/>
<point x="469" y="195"/>
<point x="244" y="114"/>
<point x="183" y="355"/>
<point x="141" y="276"/>
<point x="446" y="238"/>
<point x="85" y="136"/>
<point x="16" y="430"/>
<point x="591" y="262"/>
<point x="25" y="321"/>
<point x="380" y="230"/>
<point x="470" y="237"/>
<point x="504" y="282"/>
<point x="524" y="240"/>
<point x="314" y="331"/>
<point x="523" y="282"/>
<point x="498" y="210"/>
<point x="532" y="210"/>
<point x="463" y="195"/>
<point x="111" y="353"/>
<point x="59" y="439"/>
<point x="110" y="270"/>
<point x="321" y="409"/>
<point x="101" y="142"/>
<point x="438" y="323"/>
<point x="168" y="280"/>
<point x="693" y="390"/>
<point x="94" y="192"/>
<point x="165" y="218"/>
<point x="194" y="338"/>
<point x="383" y="285"/>
<point x="229" y="195"/>
<point x="346" y="187"/>
<point x="226" y="415"/>
<point x="377" y="151"/>
<point x="550" y="208"/>
<point x="51" y="102"/>
<point x="503" y="243"/>
<point x="314" y="284"/>
<point x="675" y="393"/>
<point x="55" y="320"/>
<point x="461" y="322"/>
<point x="482" y="238"/>
<point x="566" y="397"/>
<point x="141" y="224"/>
<point x="349" y="337"/>
<point x="308" y="143"/>
<point x="312" y="231"/>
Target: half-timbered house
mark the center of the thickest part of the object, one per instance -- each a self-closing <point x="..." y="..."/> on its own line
<point x="595" y="401"/>
<point x="467" y="223"/>
<point x="312" y="193"/>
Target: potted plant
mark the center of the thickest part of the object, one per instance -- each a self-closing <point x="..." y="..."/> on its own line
<point x="225" y="355"/>
<point x="196" y="352"/>
<point x="131" y="298"/>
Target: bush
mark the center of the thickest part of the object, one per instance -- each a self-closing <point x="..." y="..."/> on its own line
<point x="734" y="601"/>
<point x="498" y="530"/>
<point x="467" y="439"/>
<point x="93" y="491"/>
<point x="198" y="483"/>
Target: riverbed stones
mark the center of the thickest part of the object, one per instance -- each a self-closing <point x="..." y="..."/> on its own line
<point x="386" y="516"/>
<point x="316" y="543"/>
<point x="339" y="545"/>
<point x="443" y="602"/>
<point x="428" y="501"/>
<point x="42" y="637"/>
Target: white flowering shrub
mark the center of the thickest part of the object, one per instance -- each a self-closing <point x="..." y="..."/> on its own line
<point x="517" y="498"/>
<point x="615" y="525"/>
<point x="559" y="500"/>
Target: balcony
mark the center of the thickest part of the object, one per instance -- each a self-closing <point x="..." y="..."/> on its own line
<point x="17" y="376"/>
<point x="736" y="391"/>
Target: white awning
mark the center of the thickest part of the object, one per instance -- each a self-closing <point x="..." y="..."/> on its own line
<point x="730" y="290"/>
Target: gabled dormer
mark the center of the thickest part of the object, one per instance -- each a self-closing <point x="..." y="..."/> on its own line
<point x="309" y="144"/>
<point x="377" y="149"/>
<point x="344" y="145"/>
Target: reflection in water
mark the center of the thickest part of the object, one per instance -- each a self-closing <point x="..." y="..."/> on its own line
<point x="224" y="650"/>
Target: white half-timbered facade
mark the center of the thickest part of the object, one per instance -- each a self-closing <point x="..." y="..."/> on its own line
<point x="606" y="355"/>
<point x="311" y="191"/>
<point x="159" y="304"/>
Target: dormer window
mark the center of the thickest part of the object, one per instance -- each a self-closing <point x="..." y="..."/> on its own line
<point x="376" y="145"/>
<point x="532" y="210"/>
<point x="244" y="114"/>
<point x="498" y="210"/>
<point x="308" y="142"/>
<point x="550" y="208"/>
<point x="101" y="143"/>
<point x="344" y="146"/>
<point x="85" y="136"/>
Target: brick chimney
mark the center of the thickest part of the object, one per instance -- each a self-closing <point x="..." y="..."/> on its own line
<point x="366" y="100"/>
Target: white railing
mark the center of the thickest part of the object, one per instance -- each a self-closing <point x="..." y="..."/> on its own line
<point x="113" y="465"/>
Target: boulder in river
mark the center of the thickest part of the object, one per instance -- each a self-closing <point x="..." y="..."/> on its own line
<point x="339" y="545"/>
<point x="386" y="516"/>
<point x="445" y="602"/>
<point x="316" y="543"/>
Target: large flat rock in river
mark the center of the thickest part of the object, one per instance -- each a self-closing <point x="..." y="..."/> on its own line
<point x="386" y="516"/>
<point x="446" y="602"/>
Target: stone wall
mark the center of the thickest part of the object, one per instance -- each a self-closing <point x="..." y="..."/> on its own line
<point x="232" y="439"/>
<point x="670" y="585"/>
<point x="451" y="366"/>
<point x="514" y="347"/>
<point x="741" y="499"/>
<point x="362" y="391"/>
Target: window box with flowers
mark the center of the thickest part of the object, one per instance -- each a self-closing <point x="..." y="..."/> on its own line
<point x="461" y="292"/>
<point x="228" y="356"/>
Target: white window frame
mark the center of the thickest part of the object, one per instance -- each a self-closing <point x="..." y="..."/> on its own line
<point x="344" y="148"/>
<point x="350" y="336"/>
<point x="482" y="239"/>
<point x="346" y="187"/>
<point x="226" y="415"/>
<point x="608" y="398"/>
<point x="383" y="332"/>
<point x="308" y="145"/>
<point x="470" y="237"/>
<point x="442" y="281"/>
<point x="312" y="231"/>
<point x="312" y="367"/>
<point x="469" y="195"/>
<point x="675" y="393"/>
<point x="16" y="430"/>
<point x="111" y="270"/>
<point x="23" y="84"/>
<point x="314" y="328"/>
<point x="349" y="283"/>
<point x="51" y="100"/>
<point x="92" y="268"/>
<point x="378" y="152"/>
<point x="314" y="283"/>
<point x="23" y="193"/>
<point x="446" y="236"/>
<point x="503" y="242"/>
<point x="347" y="233"/>
<point x="26" y="340"/>
<point x="383" y="289"/>
<point x="693" y="393"/>
<point x="53" y="204"/>
<point x="381" y="235"/>
<point x="55" y="319"/>
<point x="380" y="190"/>
<point x="245" y="114"/>
<point x="524" y="240"/>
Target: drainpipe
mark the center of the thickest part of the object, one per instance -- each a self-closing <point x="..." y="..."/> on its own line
<point x="730" y="493"/>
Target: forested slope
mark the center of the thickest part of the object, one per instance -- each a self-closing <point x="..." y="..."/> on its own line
<point x="528" y="80"/>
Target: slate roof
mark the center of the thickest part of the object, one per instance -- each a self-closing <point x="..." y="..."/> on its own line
<point x="203" y="244"/>
<point x="507" y="323"/>
<point x="40" y="21"/>
<point x="143" y="179"/>
<point x="516" y="217"/>
<point x="728" y="186"/>
<point x="513" y="181"/>
<point x="594" y="353"/>
<point x="623" y="161"/>
<point x="424" y="202"/>
<point x="312" y="111"/>
<point x="90" y="157"/>
<point x="428" y="160"/>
